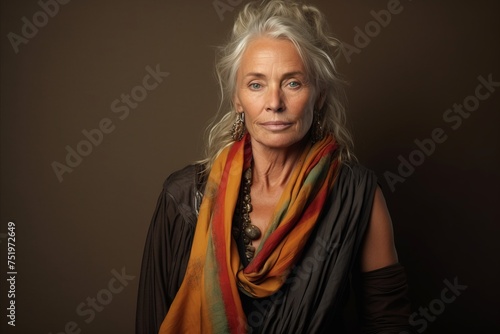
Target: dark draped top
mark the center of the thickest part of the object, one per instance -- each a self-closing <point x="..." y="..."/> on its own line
<point x="313" y="298"/>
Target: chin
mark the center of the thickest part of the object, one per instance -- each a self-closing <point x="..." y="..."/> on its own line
<point x="282" y="142"/>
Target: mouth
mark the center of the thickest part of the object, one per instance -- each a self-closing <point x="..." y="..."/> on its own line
<point x="276" y="125"/>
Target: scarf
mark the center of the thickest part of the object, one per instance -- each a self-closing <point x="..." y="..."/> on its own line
<point x="208" y="300"/>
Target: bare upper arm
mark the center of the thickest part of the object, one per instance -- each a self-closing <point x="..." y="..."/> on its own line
<point x="378" y="249"/>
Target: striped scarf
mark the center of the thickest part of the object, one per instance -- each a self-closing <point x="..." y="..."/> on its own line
<point x="208" y="300"/>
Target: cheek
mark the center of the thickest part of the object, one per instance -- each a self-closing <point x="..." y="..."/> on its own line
<point x="308" y="120"/>
<point x="307" y="112"/>
<point x="245" y="103"/>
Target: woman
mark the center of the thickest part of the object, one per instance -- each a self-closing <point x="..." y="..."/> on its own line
<point x="264" y="235"/>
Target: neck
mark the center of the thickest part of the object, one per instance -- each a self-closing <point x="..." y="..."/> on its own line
<point x="273" y="167"/>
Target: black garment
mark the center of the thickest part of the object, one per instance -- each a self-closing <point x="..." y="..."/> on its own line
<point x="314" y="295"/>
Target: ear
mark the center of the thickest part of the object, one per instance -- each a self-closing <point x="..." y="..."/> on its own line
<point x="320" y="100"/>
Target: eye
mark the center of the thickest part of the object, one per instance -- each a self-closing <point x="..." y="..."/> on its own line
<point x="255" y="86"/>
<point x="294" y="84"/>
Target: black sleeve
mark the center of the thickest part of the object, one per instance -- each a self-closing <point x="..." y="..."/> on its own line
<point x="382" y="300"/>
<point x="166" y="253"/>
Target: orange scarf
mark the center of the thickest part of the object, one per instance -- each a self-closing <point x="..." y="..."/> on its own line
<point x="208" y="300"/>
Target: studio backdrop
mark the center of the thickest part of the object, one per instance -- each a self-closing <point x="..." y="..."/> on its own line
<point x="101" y="101"/>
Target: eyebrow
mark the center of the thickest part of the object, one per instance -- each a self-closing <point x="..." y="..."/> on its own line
<point x="286" y="75"/>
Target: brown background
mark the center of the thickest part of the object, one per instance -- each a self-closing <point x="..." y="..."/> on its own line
<point x="72" y="234"/>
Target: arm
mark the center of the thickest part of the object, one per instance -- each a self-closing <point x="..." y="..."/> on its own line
<point x="381" y="285"/>
<point x="378" y="247"/>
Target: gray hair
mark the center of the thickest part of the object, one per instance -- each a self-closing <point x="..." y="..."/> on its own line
<point x="306" y="27"/>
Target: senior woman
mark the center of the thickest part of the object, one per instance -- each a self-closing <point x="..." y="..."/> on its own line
<point x="268" y="233"/>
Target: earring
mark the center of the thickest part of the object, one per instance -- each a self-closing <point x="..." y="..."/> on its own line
<point x="238" y="129"/>
<point x="316" y="128"/>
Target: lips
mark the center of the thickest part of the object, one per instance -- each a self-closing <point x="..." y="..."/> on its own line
<point x="276" y="125"/>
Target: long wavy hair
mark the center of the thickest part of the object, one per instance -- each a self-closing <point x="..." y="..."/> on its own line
<point x="306" y="27"/>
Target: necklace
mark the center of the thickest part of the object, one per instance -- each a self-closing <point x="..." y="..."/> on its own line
<point x="250" y="232"/>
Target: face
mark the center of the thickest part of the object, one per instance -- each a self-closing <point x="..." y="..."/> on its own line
<point x="274" y="93"/>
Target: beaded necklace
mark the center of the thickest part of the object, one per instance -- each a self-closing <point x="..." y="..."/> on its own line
<point x="250" y="231"/>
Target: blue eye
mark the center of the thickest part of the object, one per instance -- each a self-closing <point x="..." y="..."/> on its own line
<point x="255" y="85"/>
<point x="294" y="84"/>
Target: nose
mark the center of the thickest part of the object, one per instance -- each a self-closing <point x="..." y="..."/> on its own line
<point x="274" y="100"/>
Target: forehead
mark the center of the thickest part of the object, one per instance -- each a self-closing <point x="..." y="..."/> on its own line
<point x="266" y="53"/>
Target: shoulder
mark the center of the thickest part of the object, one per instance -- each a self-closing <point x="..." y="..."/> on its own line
<point x="181" y="178"/>
<point x="356" y="176"/>
<point x="185" y="186"/>
<point x="354" y="190"/>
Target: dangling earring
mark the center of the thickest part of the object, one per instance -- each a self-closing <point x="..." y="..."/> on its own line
<point x="316" y="128"/>
<point x="238" y="129"/>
